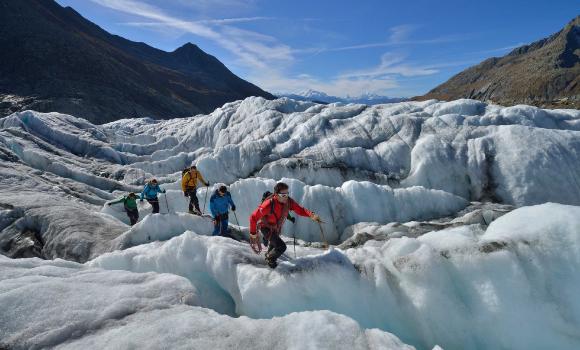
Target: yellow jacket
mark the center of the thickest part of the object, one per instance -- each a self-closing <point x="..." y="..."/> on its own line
<point x="189" y="180"/>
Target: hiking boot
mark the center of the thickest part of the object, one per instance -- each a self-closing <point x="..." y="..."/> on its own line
<point x="194" y="212"/>
<point x="271" y="262"/>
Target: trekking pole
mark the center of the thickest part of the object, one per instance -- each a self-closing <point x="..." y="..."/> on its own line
<point x="237" y="223"/>
<point x="294" y="243"/>
<point x="205" y="200"/>
<point x="235" y="216"/>
<point x="322" y="234"/>
<point x="167" y="204"/>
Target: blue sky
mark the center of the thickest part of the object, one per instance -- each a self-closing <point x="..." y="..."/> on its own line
<point x="394" y="48"/>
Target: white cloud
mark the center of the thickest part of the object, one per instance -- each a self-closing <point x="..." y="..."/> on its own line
<point x="378" y="79"/>
<point x="251" y="49"/>
<point x="275" y="81"/>
<point x="214" y="21"/>
<point x="235" y="20"/>
<point x="499" y="49"/>
<point x="267" y="59"/>
<point x="213" y="5"/>
<point x="396" y="39"/>
<point x="391" y="64"/>
<point x="400" y="33"/>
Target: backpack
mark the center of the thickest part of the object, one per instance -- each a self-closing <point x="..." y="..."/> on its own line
<point x="269" y="195"/>
<point x="266" y="195"/>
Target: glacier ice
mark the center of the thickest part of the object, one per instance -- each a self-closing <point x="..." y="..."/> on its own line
<point x="83" y="307"/>
<point x="519" y="155"/>
<point x="417" y="257"/>
<point x="510" y="286"/>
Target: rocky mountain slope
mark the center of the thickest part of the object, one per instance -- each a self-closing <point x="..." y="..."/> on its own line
<point x="53" y="59"/>
<point x="545" y="73"/>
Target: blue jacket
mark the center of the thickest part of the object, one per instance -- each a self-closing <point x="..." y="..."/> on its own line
<point x="150" y="191"/>
<point x="220" y="205"/>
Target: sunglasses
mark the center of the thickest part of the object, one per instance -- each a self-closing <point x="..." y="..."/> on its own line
<point x="283" y="195"/>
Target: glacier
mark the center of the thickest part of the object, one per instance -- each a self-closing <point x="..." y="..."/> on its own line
<point x="451" y="224"/>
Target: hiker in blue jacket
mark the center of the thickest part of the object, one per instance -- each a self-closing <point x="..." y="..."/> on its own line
<point x="150" y="193"/>
<point x="219" y="204"/>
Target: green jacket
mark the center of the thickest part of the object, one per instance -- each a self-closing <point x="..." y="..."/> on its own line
<point x="130" y="203"/>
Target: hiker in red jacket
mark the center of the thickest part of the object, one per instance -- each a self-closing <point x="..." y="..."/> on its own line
<point x="269" y="217"/>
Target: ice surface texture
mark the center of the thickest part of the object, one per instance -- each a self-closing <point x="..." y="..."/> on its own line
<point x="468" y="283"/>
<point x="512" y="286"/>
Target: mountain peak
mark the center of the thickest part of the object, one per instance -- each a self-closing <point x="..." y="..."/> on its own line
<point x="310" y="93"/>
<point x="104" y="77"/>
<point x="188" y="47"/>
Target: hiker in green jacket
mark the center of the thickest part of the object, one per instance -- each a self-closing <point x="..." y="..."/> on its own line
<point x="130" y="204"/>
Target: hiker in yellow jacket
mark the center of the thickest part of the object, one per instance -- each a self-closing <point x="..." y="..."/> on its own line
<point x="189" y="187"/>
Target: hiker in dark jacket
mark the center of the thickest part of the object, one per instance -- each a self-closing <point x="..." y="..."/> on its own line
<point x="130" y="204"/>
<point x="269" y="218"/>
<point x="189" y="182"/>
<point x="219" y="204"/>
<point x="150" y="192"/>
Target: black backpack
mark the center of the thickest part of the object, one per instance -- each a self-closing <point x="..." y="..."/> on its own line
<point x="266" y="195"/>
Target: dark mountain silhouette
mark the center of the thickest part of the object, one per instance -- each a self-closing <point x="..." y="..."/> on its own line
<point x="545" y="73"/>
<point x="53" y="59"/>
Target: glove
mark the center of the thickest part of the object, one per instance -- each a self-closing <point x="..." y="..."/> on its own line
<point x="315" y="217"/>
<point x="255" y="243"/>
<point x="185" y="194"/>
<point x="293" y="219"/>
<point x="163" y="191"/>
<point x="207" y="184"/>
<point x="233" y="208"/>
<point x="109" y="204"/>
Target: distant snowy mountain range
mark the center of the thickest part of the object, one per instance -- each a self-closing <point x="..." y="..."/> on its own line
<point x="319" y="96"/>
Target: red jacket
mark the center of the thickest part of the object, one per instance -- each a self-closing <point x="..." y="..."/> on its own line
<point x="264" y="217"/>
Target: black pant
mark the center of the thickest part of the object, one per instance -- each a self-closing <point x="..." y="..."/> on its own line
<point x="155" y="204"/>
<point x="133" y="215"/>
<point x="276" y="247"/>
<point x="193" y="201"/>
<point x="220" y="226"/>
